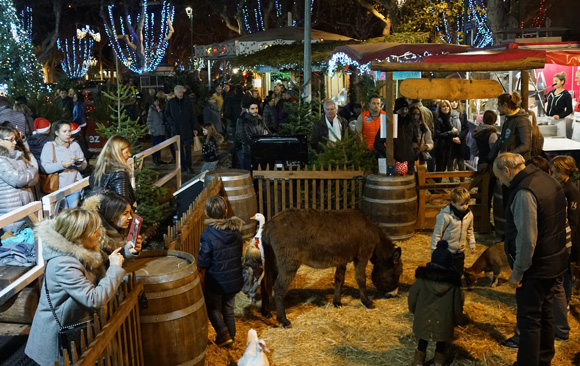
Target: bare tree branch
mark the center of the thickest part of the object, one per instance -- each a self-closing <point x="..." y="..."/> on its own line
<point x="47" y="46"/>
<point x="376" y="13"/>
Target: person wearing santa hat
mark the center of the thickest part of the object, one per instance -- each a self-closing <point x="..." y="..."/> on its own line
<point x="40" y="137"/>
<point x="77" y="136"/>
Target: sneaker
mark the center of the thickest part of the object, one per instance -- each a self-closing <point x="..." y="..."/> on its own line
<point x="223" y="339"/>
<point x="512" y="342"/>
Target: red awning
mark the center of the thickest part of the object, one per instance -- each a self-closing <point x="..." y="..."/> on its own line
<point x="364" y="53"/>
<point x="567" y="58"/>
<point x="559" y="53"/>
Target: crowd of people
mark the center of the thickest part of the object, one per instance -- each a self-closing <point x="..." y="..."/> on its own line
<point x="85" y="245"/>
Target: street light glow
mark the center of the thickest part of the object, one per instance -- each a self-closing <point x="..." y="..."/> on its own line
<point x="189" y="11"/>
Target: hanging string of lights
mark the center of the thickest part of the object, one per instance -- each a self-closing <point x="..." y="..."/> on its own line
<point x="77" y="55"/>
<point x="26" y="21"/>
<point x="141" y="45"/>
<point x="449" y="33"/>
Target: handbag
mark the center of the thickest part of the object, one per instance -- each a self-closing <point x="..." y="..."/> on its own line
<point x="197" y="146"/>
<point x="70" y="333"/>
<point x="49" y="182"/>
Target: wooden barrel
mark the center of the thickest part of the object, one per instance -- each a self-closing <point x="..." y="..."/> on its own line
<point x="498" y="209"/>
<point x="174" y="321"/>
<point x="241" y="194"/>
<point x="391" y="202"/>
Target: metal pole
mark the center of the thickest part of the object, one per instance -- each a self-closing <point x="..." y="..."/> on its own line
<point x="191" y="40"/>
<point x="307" y="53"/>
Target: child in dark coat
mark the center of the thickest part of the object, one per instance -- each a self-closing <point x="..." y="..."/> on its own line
<point x="437" y="302"/>
<point x="220" y="261"/>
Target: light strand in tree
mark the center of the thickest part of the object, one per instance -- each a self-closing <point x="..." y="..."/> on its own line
<point x="26" y="21"/>
<point x="77" y="56"/>
<point x="144" y="47"/>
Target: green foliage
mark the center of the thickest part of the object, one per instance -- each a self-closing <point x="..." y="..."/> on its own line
<point x="350" y="152"/>
<point x="19" y="68"/>
<point x="191" y="81"/>
<point x="148" y="194"/>
<point x="44" y="107"/>
<point x="301" y="117"/>
<point x="119" y="122"/>
<point x="404" y="37"/>
<point x="362" y="90"/>
<point x="64" y="82"/>
<point x="426" y="16"/>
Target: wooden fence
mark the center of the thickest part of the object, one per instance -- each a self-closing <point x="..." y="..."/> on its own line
<point x="186" y="233"/>
<point x="331" y="189"/>
<point x="433" y="196"/>
<point x="114" y="334"/>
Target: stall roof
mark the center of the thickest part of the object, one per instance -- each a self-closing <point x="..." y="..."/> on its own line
<point x="364" y="53"/>
<point x="559" y="53"/>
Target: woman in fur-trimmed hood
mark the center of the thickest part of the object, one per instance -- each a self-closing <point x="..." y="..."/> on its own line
<point x="76" y="277"/>
<point x="116" y="214"/>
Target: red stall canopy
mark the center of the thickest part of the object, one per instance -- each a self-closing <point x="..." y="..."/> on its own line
<point x="364" y="53"/>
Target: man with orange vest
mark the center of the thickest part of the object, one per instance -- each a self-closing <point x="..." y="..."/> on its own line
<point x="369" y="122"/>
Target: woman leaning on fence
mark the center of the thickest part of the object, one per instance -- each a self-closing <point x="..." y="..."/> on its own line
<point x="75" y="279"/>
<point x="112" y="172"/>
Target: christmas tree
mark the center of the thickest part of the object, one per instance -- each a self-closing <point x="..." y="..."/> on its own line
<point x="20" y="71"/>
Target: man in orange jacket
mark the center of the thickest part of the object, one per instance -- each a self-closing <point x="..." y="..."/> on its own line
<point x="369" y="122"/>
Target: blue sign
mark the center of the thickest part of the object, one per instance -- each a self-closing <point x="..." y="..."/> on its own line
<point x="402" y="75"/>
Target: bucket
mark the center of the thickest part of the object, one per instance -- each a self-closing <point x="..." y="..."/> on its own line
<point x="391" y="202"/>
<point x="174" y="322"/>
<point x="241" y="195"/>
<point x="498" y="209"/>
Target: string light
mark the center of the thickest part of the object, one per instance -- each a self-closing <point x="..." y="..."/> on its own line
<point x="81" y="33"/>
<point x="477" y="14"/>
<point x="154" y="38"/>
<point x="26" y="21"/>
<point x="20" y="71"/>
<point x="77" y="56"/>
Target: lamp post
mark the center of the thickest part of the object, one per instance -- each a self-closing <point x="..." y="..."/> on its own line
<point x="189" y="12"/>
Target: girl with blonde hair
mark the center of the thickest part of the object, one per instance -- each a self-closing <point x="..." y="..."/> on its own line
<point x="76" y="279"/>
<point x="112" y="172"/>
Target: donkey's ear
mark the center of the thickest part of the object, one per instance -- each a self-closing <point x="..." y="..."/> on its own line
<point x="397" y="254"/>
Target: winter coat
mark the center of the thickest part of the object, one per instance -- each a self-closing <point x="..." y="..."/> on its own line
<point x="437" y="302"/>
<point x="573" y="214"/>
<point x="271" y="118"/>
<point x="403" y="145"/>
<point x="36" y="142"/>
<point x="65" y="176"/>
<point x="78" y="284"/>
<point x="220" y="254"/>
<point x="559" y="105"/>
<point x="251" y="126"/>
<point x="180" y="116"/>
<point x="15" y="178"/>
<point x="80" y="114"/>
<point x="155" y="122"/>
<point x="16" y="118"/>
<point x="456" y="231"/>
<point x="516" y="136"/>
<point x="209" y="150"/>
<point x="211" y="115"/>
<point x="443" y="133"/>
<point x="320" y="131"/>
<point x="119" y="182"/>
<point x="485" y="137"/>
<point x="458" y="150"/>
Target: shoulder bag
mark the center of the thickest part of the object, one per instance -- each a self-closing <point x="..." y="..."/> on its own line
<point x="49" y="182"/>
<point x="70" y="333"/>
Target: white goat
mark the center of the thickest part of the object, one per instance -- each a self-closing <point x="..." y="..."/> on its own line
<point x="254" y="354"/>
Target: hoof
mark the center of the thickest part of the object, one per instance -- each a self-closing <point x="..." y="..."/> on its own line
<point x="266" y="314"/>
<point x="337" y="304"/>
<point x="285" y="323"/>
<point x="369" y="305"/>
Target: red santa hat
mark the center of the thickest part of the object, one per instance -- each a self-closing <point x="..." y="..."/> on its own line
<point x="41" y="125"/>
<point x="74" y="128"/>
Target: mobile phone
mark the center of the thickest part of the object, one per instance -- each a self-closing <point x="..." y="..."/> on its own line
<point x="134" y="230"/>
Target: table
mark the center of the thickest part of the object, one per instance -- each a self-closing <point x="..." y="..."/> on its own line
<point x="554" y="146"/>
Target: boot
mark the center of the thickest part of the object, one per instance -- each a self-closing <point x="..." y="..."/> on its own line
<point x="419" y="359"/>
<point x="439" y="359"/>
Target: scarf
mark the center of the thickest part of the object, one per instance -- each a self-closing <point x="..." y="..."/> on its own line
<point x="460" y="214"/>
<point x="335" y="127"/>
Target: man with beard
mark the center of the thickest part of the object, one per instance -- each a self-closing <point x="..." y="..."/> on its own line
<point x="331" y="126"/>
<point x="369" y="122"/>
<point x="250" y="124"/>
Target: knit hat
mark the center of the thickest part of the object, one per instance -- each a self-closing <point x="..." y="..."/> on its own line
<point x="41" y="125"/>
<point x="74" y="128"/>
<point x="441" y="255"/>
<point x="400" y="103"/>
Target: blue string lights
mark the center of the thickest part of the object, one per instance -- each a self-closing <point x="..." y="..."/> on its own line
<point x="141" y="45"/>
<point x="77" y="56"/>
<point x="26" y="21"/>
<point x="450" y="31"/>
<point x="20" y="71"/>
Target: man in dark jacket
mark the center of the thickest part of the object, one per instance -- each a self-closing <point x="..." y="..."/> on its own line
<point x="331" y="126"/>
<point x="535" y="244"/>
<point x="220" y="261"/>
<point x="181" y="117"/>
<point x="250" y="124"/>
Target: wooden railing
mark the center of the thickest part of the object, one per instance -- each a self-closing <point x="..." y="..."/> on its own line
<point x="430" y="203"/>
<point x="143" y="154"/>
<point x="114" y="334"/>
<point x="331" y="189"/>
<point x="186" y="233"/>
<point x="51" y="203"/>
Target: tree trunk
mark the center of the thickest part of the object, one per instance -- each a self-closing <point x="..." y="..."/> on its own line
<point x="49" y="42"/>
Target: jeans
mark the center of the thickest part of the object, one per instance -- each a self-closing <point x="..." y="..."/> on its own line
<point x="220" y="311"/>
<point x="459" y="262"/>
<point x="72" y="200"/>
<point x="561" y="310"/>
<point x="186" y="153"/>
<point x="535" y="319"/>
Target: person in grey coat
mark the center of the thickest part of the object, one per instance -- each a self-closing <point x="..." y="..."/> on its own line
<point x="76" y="278"/>
<point x="156" y="124"/>
<point x="16" y="176"/>
<point x="211" y="114"/>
